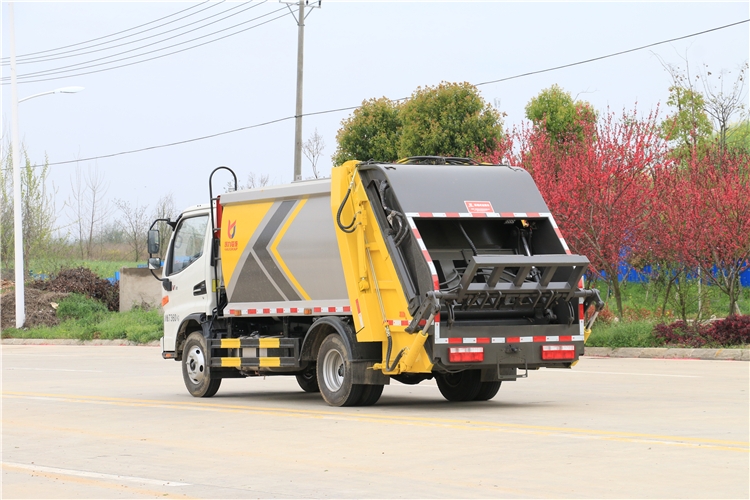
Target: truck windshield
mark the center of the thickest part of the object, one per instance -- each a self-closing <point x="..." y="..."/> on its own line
<point x="187" y="244"/>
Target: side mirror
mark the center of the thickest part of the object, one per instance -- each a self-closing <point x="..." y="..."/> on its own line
<point x="154" y="263"/>
<point x="153" y="243"/>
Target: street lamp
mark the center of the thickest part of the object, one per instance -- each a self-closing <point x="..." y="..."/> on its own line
<point x="16" y="154"/>
<point x="61" y="90"/>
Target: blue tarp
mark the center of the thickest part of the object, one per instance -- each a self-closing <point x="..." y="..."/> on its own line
<point x="631" y="275"/>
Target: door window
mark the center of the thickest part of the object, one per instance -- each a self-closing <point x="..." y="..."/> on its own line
<point x="187" y="244"/>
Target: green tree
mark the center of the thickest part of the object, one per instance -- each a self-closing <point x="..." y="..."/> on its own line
<point x="563" y="118"/>
<point x="37" y="210"/>
<point x="689" y="127"/>
<point x="451" y="119"/>
<point x="738" y="136"/>
<point x="371" y="132"/>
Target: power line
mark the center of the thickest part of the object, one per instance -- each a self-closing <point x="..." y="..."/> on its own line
<point x="79" y="53"/>
<point x="349" y="108"/>
<point x="61" y="69"/>
<point x="613" y="54"/>
<point x="120" y="32"/>
<point x="164" y="48"/>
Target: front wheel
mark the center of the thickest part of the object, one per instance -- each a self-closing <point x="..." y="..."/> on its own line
<point x="335" y="373"/>
<point x="196" y="371"/>
<point x="460" y="386"/>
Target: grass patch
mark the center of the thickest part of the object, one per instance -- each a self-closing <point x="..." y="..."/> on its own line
<point x="624" y="334"/>
<point x="77" y="306"/>
<point x="644" y="301"/>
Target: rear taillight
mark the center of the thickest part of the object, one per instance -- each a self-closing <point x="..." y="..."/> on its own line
<point x="466" y="354"/>
<point x="558" y="352"/>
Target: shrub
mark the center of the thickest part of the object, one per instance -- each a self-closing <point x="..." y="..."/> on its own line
<point x="734" y="330"/>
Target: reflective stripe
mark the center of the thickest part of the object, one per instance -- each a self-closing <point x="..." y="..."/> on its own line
<point x="270" y="362"/>
<point x="231" y="362"/>
<point x="230" y="343"/>
<point x="268" y="344"/>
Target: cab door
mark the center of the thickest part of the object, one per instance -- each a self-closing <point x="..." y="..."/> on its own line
<point x="187" y="268"/>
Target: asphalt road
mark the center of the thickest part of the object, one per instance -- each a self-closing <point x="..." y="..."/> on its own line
<point x="116" y="422"/>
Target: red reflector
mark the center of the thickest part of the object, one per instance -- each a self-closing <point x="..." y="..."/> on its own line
<point x="558" y="352"/>
<point x="219" y="212"/>
<point x="466" y="354"/>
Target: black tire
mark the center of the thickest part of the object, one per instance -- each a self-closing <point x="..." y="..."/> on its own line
<point x="335" y="373"/>
<point x="460" y="386"/>
<point x="370" y="395"/>
<point x="196" y="371"/>
<point x="308" y="380"/>
<point x="487" y="390"/>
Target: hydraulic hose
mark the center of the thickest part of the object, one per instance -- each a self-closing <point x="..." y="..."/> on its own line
<point x="350" y="227"/>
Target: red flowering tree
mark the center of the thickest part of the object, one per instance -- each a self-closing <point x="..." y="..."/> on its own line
<point x="705" y="214"/>
<point x="599" y="187"/>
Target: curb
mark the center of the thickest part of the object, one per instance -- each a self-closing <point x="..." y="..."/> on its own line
<point x="669" y="353"/>
<point x="598" y="352"/>
<point x="98" y="342"/>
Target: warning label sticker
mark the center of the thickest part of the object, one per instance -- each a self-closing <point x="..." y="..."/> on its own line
<point x="479" y="207"/>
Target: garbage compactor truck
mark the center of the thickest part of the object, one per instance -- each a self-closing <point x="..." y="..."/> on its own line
<point x="426" y="268"/>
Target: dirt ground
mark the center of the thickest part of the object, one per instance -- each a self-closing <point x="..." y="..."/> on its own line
<point x="39" y="309"/>
<point x="40" y="295"/>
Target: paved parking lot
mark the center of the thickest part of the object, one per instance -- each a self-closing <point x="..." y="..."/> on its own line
<point x="116" y="422"/>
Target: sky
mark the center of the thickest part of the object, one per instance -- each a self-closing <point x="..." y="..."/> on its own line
<point x="352" y="51"/>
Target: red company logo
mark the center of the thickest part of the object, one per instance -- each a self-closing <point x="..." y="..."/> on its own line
<point x="231" y="229"/>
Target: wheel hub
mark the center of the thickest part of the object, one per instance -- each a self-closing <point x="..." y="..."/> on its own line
<point x="196" y="365"/>
<point x="333" y="370"/>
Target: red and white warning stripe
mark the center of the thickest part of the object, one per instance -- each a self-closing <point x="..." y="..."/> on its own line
<point x="398" y="322"/>
<point x="503" y="215"/>
<point x="289" y="310"/>
<point x="559" y="234"/>
<point x="508" y="340"/>
<point x="423" y="248"/>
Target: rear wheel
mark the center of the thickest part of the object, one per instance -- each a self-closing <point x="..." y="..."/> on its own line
<point x="460" y="386"/>
<point x="335" y="373"/>
<point x="308" y="380"/>
<point x="196" y="371"/>
<point x="370" y="395"/>
<point x="487" y="391"/>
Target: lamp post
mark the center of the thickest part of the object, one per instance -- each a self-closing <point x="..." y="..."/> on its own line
<point x="16" y="154"/>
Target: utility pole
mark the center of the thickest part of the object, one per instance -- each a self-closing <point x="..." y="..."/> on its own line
<point x="298" y="109"/>
<point x="16" y="154"/>
<point x="300" y="18"/>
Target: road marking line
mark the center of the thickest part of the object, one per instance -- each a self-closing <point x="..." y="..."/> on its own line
<point x="95" y="475"/>
<point x="540" y="430"/>
<point x="54" y="370"/>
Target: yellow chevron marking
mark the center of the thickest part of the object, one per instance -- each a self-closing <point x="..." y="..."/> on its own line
<point x="250" y="216"/>
<point x="275" y="251"/>
<point x="231" y="362"/>
<point x="270" y="362"/>
<point x="268" y="343"/>
<point x="230" y="343"/>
